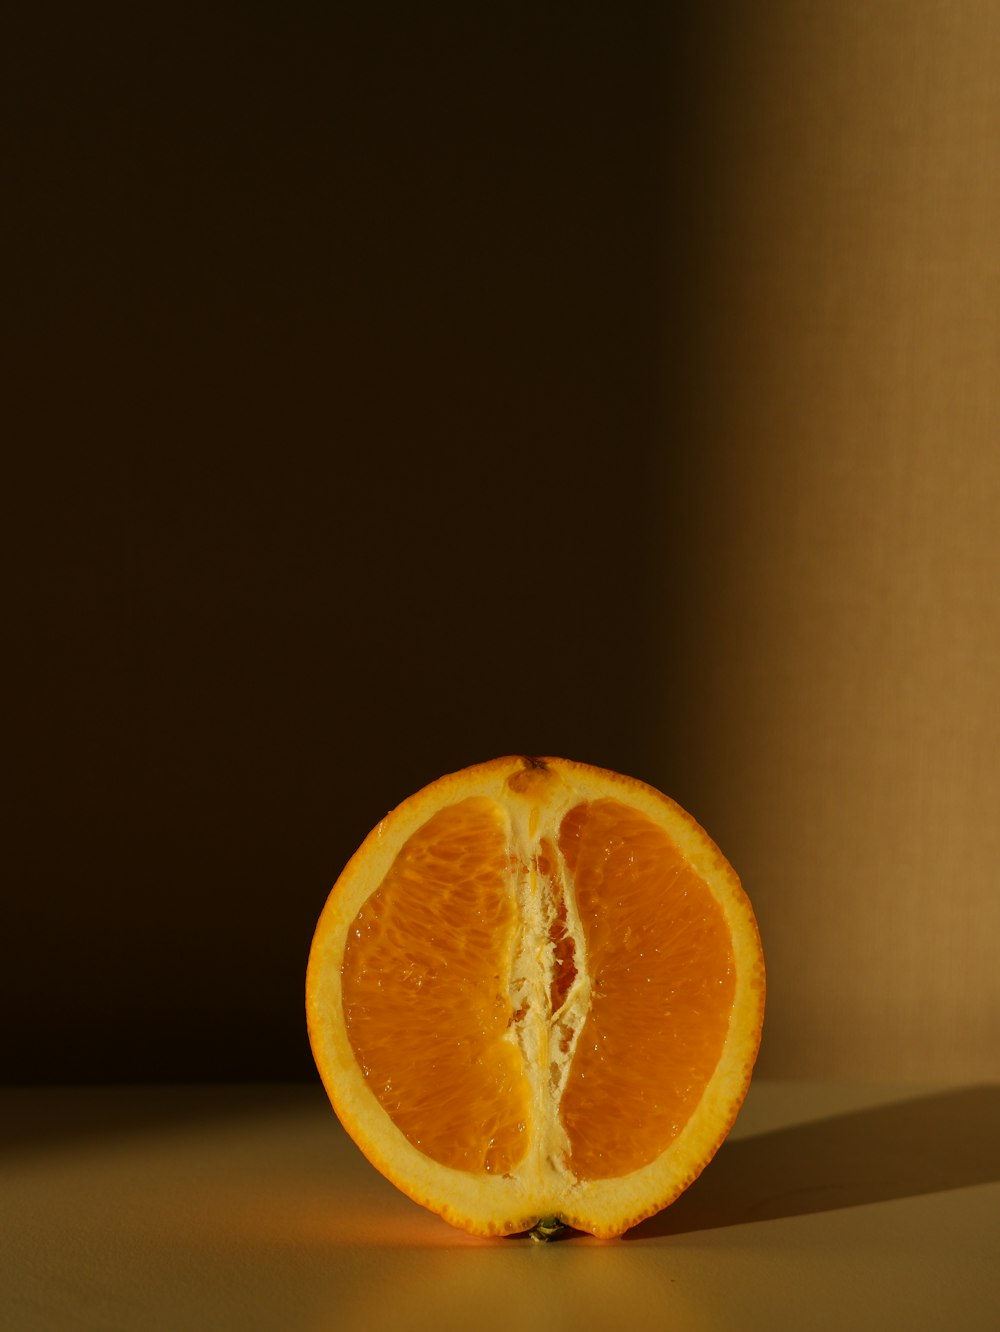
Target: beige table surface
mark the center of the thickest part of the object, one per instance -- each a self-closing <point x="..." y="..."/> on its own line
<point x="213" y="1208"/>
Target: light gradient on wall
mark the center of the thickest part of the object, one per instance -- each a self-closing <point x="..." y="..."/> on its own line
<point x="845" y="412"/>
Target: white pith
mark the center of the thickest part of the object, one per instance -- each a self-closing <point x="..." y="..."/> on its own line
<point x="546" y="1040"/>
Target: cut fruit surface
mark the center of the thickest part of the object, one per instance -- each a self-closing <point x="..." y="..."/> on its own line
<point x="537" y="990"/>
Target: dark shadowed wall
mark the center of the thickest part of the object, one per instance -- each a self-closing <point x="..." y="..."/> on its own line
<point x="338" y="341"/>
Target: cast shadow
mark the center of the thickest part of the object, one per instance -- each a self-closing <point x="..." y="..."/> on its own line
<point x="948" y="1140"/>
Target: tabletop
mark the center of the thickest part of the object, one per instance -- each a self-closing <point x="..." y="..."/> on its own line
<point x="247" y="1207"/>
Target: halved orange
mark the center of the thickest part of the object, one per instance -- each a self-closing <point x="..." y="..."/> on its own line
<point x="535" y="996"/>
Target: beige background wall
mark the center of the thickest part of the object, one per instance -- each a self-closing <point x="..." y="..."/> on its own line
<point x="392" y="391"/>
<point x="846" y="403"/>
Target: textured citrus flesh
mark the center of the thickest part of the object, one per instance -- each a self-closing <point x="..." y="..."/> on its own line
<point x="551" y="988"/>
<point x="425" y="993"/>
<point x="662" y="977"/>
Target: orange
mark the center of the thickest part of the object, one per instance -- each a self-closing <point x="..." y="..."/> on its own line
<point x="535" y="997"/>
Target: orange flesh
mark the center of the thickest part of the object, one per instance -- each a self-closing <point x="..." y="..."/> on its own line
<point x="662" y="979"/>
<point x="425" y="993"/>
<point x="428" y="966"/>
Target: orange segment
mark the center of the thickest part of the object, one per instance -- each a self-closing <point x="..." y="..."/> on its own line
<point x="536" y="991"/>
<point x="661" y="970"/>
<point x="425" y="992"/>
